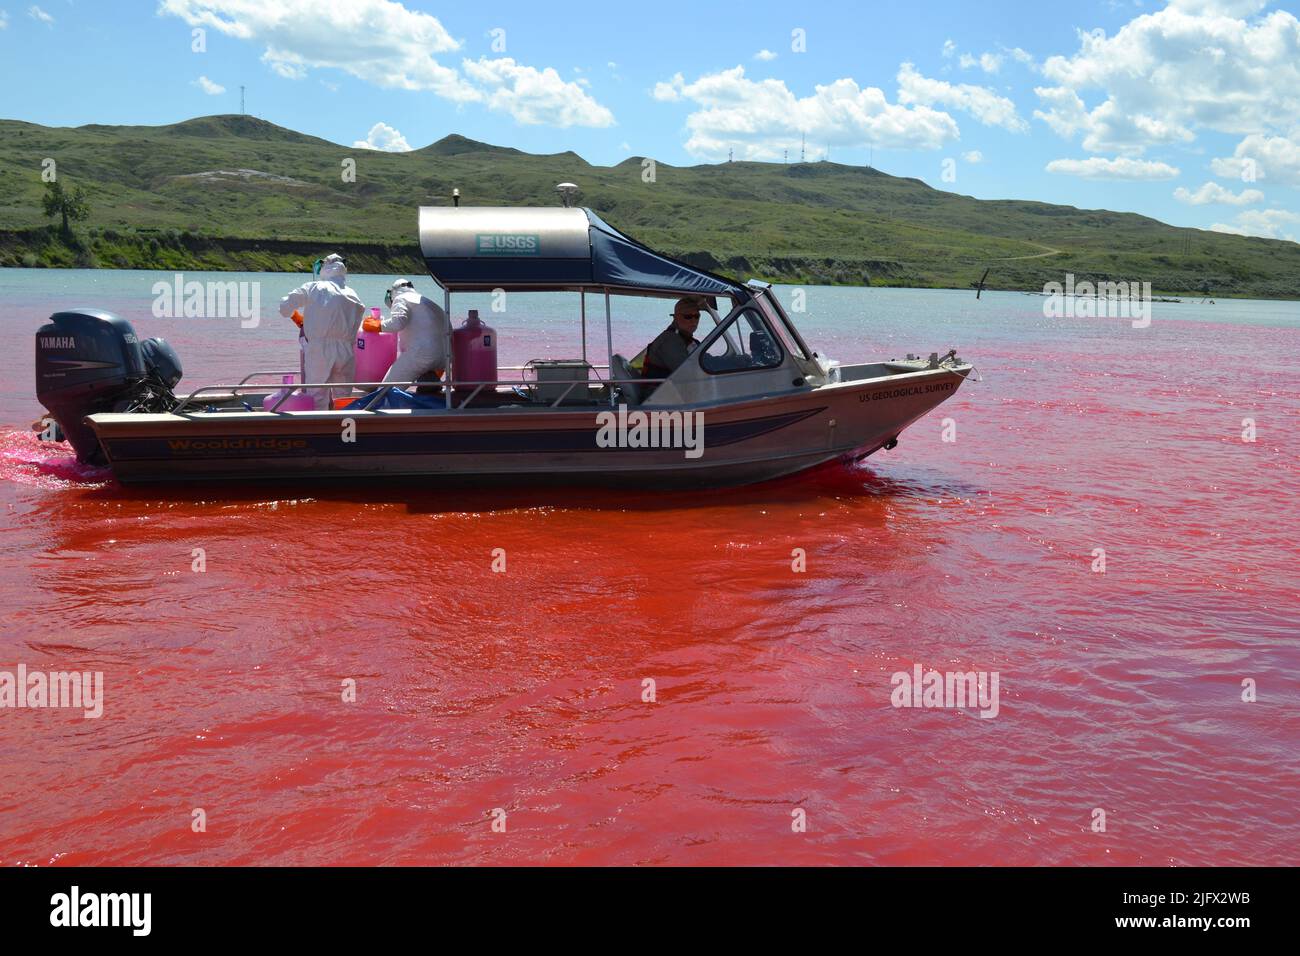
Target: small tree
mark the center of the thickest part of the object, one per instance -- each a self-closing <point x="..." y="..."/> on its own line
<point x="71" y="206"/>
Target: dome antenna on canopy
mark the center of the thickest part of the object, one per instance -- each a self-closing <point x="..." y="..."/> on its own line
<point x="568" y="193"/>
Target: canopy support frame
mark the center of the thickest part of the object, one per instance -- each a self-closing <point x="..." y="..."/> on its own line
<point x="451" y="371"/>
<point x="582" y="293"/>
<point x="609" y="342"/>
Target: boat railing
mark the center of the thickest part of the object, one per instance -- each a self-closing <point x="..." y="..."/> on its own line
<point x="377" y="391"/>
<point x="294" y="371"/>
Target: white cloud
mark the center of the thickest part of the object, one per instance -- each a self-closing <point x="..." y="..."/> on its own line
<point x="670" y="92"/>
<point x="1275" y="158"/>
<point x="378" y="41"/>
<point x="1265" y="223"/>
<point x="988" y="62"/>
<point x="4" y="19"/>
<point x="764" y="55"/>
<point x="1023" y="57"/>
<point x="1107" y="127"/>
<point x="1065" y="113"/>
<point x="40" y="16"/>
<point x="535" y="97"/>
<point x="972" y="157"/>
<point x="383" y="137"/>
<point x="1231" y="8"/>
<point x="1098" y="167"/>
<point x="207" y="86"/>
<point x="1194" y="64"/>
<point x="761" y="118"/>
<point x="385" y="44"/>
<point x="980" y="102"/>
<point x="1214" y="193"/>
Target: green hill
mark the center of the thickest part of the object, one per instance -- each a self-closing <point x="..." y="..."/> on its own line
<point x="236" y="192"/>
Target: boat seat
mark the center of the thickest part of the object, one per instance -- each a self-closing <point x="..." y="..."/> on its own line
<point x="619" y="368"/>
<point x="763" y="349"/>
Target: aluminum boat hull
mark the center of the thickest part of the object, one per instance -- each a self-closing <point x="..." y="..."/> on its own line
<point x="744" y="441"/>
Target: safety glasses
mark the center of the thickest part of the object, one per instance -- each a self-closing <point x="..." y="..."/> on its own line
<point x="319" y="263"/>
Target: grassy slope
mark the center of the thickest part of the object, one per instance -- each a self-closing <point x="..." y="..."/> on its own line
<point x="811" y="222"/>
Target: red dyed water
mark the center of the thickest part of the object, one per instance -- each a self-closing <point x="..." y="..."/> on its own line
<point x="523" y="690"/>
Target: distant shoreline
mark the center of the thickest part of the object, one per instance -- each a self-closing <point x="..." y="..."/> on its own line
<point x="1157" y="296"/>
<point x="205" y="193"/>
<point x="170" y="250"/>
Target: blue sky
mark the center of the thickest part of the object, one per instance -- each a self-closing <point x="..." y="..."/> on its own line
<point x="1187" y="111"/>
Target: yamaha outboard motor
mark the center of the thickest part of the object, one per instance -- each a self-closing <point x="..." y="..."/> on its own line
<point x="161" y="363"/>
<point x="90" y="361"/>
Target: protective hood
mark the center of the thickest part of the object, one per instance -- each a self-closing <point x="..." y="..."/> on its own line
<point x="334" y="269"/>
<point x="396" y="289"/>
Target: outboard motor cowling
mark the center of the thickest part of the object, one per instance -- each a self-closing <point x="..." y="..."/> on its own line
<point x="161" y="360"/>
<point x="87" y="361"/>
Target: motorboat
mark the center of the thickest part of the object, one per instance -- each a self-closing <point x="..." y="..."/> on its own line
<point x="751" y="402"/>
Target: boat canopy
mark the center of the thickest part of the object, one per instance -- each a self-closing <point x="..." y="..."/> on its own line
<point x="523" y="248"/>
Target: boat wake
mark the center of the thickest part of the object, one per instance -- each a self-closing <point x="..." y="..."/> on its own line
<point x="26" y="460"/>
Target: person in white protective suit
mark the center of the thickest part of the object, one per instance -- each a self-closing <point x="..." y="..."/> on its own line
<point x="331" y="316"/>
<point x="423" y="330"/>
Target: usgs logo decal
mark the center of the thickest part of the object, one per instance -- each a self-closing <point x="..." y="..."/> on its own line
<point x="508" y="244"/>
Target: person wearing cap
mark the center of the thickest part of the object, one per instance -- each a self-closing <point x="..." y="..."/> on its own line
<point x="671" y="347"/>
<point x="423" y="329"/>
<point x="331" y="313"/>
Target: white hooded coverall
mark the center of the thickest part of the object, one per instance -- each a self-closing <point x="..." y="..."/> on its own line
<point x="423" y="329"/>
<point x="331" y="316"/>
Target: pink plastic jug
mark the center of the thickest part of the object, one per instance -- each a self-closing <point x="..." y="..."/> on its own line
<point x="296" y="402"/>
<point x="376" y="352"/>
<point x="474" y="351"/>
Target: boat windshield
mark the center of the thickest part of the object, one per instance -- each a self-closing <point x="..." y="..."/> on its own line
<point x="745" y="343"/>
<point x="781" y="325"/>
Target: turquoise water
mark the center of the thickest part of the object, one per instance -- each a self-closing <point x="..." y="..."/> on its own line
<point x="131" y="291"/>
<point x="848" y="324"/>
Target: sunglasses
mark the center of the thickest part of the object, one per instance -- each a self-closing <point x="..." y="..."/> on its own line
<point x="688" y="315"/>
